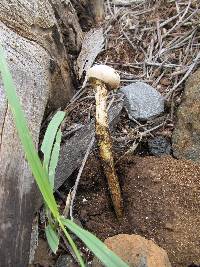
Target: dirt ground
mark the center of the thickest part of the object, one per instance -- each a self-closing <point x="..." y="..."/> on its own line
<point x="161" y="197"/>
<point x="146" y="42"/>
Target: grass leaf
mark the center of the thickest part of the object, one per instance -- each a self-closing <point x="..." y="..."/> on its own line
<point x="52" y="238"/>
<point x="50" y="136"/>
<point x="106" y="256"/>
<point x="54" y="158"/>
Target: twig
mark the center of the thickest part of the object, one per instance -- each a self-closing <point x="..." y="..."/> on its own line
<point x="169" y="20"/>
<point x="128" y="39"/>
<point x="79" y="176"/>
<point x="111" y="102"/>
<point x="131" y="149"/>
<point x="159" y="34"/>
<point x="77" y="95"/>
<point x="135" y="144"/>
<point x="139" y="124"/>
<point x="67" y="205"/>
<point x="72" y="130"/>
<point x="192" y="66"/>
<point x="148" y="131"/>
<point x="109" y="8"/>
<point x="180" y="21"/>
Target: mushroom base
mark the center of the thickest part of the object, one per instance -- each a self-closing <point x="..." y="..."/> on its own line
<point x="105" y="147"/>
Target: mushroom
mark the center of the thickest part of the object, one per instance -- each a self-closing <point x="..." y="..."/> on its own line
<point x="104" y="78"/>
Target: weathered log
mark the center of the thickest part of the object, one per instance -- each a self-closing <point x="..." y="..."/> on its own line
<point x="39" y="63"/>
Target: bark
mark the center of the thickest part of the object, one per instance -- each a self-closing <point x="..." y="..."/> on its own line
<point x="32" y="33"/>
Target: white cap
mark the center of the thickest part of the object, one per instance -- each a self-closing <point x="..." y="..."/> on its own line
<point x="105" y="74"/>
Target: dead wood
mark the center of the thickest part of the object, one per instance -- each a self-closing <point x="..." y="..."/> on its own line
<point x="32" y="34"/>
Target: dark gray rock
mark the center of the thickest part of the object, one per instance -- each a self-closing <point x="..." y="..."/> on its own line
<point x="159" y="146"/>
<point x="142" y="101"/>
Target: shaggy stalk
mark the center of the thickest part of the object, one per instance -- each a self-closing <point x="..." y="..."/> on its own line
<point x="104" y="138"/>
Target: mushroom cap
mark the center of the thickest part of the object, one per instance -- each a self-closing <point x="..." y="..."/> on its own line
<point x="105" y="74"/>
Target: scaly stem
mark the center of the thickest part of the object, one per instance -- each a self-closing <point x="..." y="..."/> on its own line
<point x="105" y="146"/>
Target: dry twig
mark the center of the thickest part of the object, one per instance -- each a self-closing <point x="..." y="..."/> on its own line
<point x="73" y="195"/>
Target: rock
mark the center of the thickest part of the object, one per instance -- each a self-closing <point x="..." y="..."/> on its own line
<point x="159" y="146"/>
<point x="142" y="101"/>
<point x="65" y="261"/>
<point x="137" y="251"/>
<point x="186" y="136"/>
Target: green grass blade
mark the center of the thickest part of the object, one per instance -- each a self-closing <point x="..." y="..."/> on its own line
<point x="105" y="255"/>
<point x="52" y="238"/>
<point x="50" y="136"/>
<point x="54" y="158"/>
<point x="38" y="171"/>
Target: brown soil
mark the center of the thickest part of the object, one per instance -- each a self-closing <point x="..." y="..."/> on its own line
<point x="161" y="202"/>
<point x="161" y="195"/>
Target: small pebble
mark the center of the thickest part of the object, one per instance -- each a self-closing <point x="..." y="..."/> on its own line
<point x="142" y="101"/>
<point x="159" y="146"/>
<point x="65" y="260"/>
